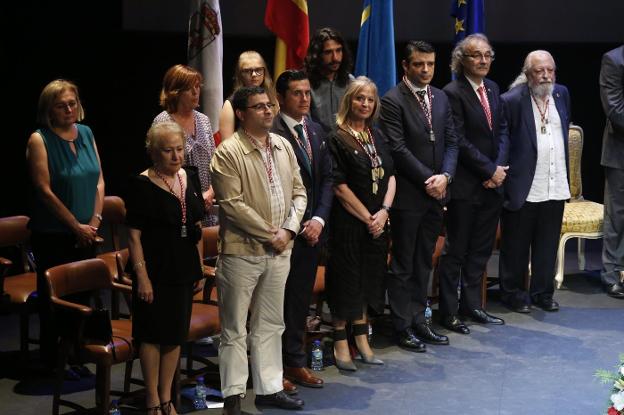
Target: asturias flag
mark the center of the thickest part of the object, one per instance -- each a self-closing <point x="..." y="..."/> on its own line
<point x="375" y="54"/>
<point x="469" y="17"/>
<point x="288" y="19"/>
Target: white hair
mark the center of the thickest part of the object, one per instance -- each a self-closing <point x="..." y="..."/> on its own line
<point x="522" y="77"/>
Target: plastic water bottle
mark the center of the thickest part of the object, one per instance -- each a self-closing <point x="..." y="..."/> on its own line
<point x="316" y="363"/>
<point x="428" y="314"/>
<point x="114" y="408"/>
<point x="199" y="400"/>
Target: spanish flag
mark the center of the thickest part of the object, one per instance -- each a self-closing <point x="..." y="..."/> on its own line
<point x="288" y="19"/>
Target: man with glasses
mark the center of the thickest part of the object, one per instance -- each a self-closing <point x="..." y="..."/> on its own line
<point x="536" y="119"/>
<point x="261" y="203"/>
<point x="476" y="193"/>
<point x="308" y="141"/>
<point x="328" y="65"/>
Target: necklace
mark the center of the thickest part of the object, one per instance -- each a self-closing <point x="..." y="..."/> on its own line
<point x="268" y="163"/>
<point x="180" y="198"/>
<point x="367" y="144"/>
<point x="423" y="105"/>
<point x="543" y="114"/>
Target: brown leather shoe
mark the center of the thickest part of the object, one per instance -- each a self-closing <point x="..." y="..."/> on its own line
<point x="303" y="377"/>
<point x="289" y="387"/>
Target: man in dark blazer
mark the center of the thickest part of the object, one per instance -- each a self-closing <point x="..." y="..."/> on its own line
<point x="536" y="119"/>
<point x="308" y="140"/>
<point x="473" y="212"/>
<point x="612" y="97"/>
<point x="417" y="121"/>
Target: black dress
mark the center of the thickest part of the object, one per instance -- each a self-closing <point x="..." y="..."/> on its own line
<point x="357" y="263"/>
<point x="171" y="261"/>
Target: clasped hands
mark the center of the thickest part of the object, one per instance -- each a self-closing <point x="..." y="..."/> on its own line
<point x="280" y="239"/>
<point x="435" y="186"/>
<point x="311" y="231"/>
<point x="497" y="178"/>
<point x="377" y="223"/>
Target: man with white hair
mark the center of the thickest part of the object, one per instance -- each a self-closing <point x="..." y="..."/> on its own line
<point x="536" y="117"/>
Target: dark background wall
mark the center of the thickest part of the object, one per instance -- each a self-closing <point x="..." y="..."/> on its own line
<point x="117" y="54"/>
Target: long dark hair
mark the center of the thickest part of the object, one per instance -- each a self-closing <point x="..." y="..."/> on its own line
<point x="314" y="62"/>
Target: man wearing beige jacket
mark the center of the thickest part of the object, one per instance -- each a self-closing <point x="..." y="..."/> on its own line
<point x="261" y="200"/>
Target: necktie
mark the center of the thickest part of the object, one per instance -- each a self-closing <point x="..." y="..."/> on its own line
<point x="485" y="104"/>
<point x="304" y="144"/>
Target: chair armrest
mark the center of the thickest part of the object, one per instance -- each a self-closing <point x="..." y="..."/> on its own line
<point x="124" y="288"/>
<point x="5" y="262"/>
<point x="80" y="308"/>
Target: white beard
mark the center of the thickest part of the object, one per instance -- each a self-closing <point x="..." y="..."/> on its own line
<point x="542" y="90"/>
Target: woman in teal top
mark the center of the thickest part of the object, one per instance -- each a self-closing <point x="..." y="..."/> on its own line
<point x="69" y="194"/>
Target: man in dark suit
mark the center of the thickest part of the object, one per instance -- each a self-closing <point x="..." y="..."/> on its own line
<point x="473" y="212"/>
<point x="612" y="97"/>
<point x="536" y="118"/>
<point x="308" y="140"/>
<point x="417" y="121"/>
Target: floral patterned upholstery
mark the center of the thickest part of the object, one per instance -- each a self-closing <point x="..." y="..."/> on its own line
<point x="582" y="216"/>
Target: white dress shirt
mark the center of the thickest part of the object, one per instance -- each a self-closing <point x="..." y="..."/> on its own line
<point x="551" y="180"/>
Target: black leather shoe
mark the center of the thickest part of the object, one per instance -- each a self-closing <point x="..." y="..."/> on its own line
<point x="408" y="341"/>
<point x="426" y="334"/>
<point x="279" y="400"/>
<point x="453" y="323"/>
<point x="479" y="315"/>
<point x="518" y="307"/>
<point x="615" y="290"/>
<point x="547" y="304"/>
<point x="232" y="405"/>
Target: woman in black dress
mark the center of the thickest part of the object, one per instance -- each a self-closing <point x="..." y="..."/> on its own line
<point x="164" y="212"/>
<point x="364" y="184"/>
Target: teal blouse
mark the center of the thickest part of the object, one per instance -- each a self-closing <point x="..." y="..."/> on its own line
<point x="73" y="179"/>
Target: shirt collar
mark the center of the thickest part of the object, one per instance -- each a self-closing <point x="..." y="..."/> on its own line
<point x="290" y="121"/>
<point x="473" y="84"/>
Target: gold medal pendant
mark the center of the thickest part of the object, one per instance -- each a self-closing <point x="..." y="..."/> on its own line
<point x="375" y="188"/>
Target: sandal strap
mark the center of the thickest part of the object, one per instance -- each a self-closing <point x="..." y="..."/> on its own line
<point x="153" y="410"/>
<point x="359" y="329"/>
<point x="165" y="407"/>
<point x="340" y="334"/>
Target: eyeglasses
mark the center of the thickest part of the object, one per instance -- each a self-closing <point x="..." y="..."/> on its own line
<point x="488" y="56"/>
<point x="253" y="71"/>
<point x="262" y="106"/>
<point x="66" y="105"/>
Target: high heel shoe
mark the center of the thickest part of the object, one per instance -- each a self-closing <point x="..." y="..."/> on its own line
<point x="361" y="330"/>
<point x="347" y="365"/>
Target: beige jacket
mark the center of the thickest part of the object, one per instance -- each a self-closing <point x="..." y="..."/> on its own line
<point x="242" y="192"/>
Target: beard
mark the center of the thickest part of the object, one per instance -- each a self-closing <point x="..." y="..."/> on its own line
<point x="542" y="90"/>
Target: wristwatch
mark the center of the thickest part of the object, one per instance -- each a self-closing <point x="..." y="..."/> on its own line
<point x="449" y="178"/>
<point x="385" y="207"/>
<point x="99" y="216"/>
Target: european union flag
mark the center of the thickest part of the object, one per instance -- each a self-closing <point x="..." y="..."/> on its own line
<point x="469" y="17"/>
<point x="375" y="54"/>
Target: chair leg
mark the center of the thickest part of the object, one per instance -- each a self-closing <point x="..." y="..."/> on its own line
<point x="24" y="332"/>
<point x="102" y="388"/>
<point x="114" y="305"/>
<point x="60" y="374"/>
<point x="189" y="357"/>
<point x="560" y="263"/>
<point x="581" y="253"/>
<point x="127" y="376"/>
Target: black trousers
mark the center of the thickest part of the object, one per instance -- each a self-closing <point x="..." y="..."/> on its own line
<point x="531" y="231"/>
<point x="414" y="234"/>
<point x="470" y="235"/>
<point x="49" y="250"/>
<point x="297" y="296"/>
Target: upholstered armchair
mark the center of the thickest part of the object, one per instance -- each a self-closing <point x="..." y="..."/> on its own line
<point x="582" y="218"/>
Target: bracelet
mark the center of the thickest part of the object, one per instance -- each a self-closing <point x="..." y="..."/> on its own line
<point x="137" y="265"/>
<point x="99" y="216"/>
<point x="385" y="207"/>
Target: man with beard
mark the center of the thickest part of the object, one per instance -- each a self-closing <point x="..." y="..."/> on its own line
<point x="261" y="203"/>
<point x="477" y="193"/>
<point x="612" y="97"/>
<point x="328" y="65"/>
<point x="536" y="116"/>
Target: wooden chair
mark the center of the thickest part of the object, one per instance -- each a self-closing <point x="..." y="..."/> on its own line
<point x="582" y="219"/>
<point x="79" y="277"/>
<point x="19" y="291"/>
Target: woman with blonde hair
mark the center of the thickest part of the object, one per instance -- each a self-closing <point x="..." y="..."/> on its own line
<point x="251" y="70"/>
<point x="364" y="185"/>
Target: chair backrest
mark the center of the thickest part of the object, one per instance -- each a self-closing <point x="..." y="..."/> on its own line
<point x="575" y="149"/>
<point x="77" y="277"/>
<point x="114" y="215"/>
<point x="14" y="232"/>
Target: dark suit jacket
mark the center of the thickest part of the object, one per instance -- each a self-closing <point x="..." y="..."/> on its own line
<point x="415" y="157"/>
<point x="480" y="149"/>
<point x="319" y="188"/>
<point x="612" y="97"/>
<point x="518" y="125"/>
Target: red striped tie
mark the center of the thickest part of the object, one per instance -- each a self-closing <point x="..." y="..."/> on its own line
<point x="485" y="104"/>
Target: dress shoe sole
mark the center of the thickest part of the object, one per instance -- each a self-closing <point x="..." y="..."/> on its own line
<point x="435" y="343"/>
<point x="302" y="383"/>
<point x="457" y="330"/>
<point x="413" y="349"/>
<point x="619" y="296"/>
<point x="548" y="309"/>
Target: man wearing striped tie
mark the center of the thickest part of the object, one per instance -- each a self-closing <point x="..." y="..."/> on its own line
<point x="476" y="192"/>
